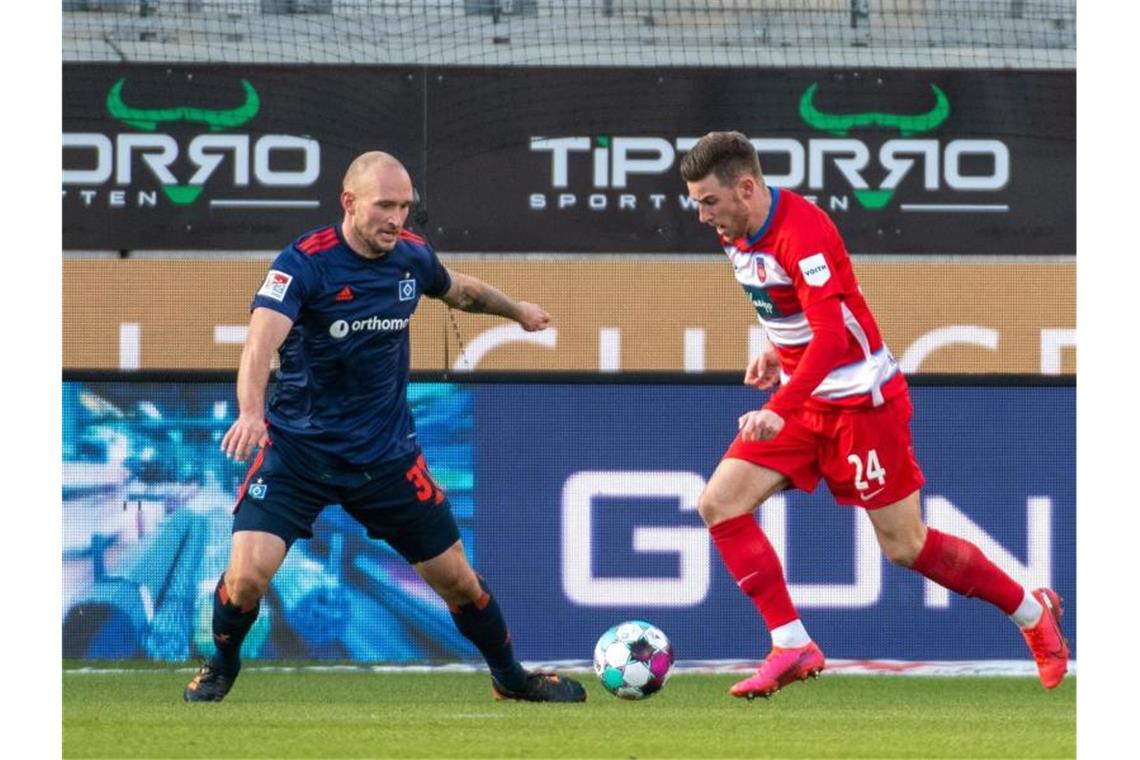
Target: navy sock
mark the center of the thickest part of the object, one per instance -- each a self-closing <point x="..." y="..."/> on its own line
<point x="482" y="623"/>
<point x="231" y="624"/>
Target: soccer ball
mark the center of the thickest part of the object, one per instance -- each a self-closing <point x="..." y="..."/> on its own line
<point x="633" y="659"/>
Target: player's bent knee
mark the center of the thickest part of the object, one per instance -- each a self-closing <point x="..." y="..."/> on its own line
<point x="244" y="587"/>
<point x="901" y="552"/>
<point x="708" y="508"/>
<point x="714" y="509"/>
<point x="458" y="589"/>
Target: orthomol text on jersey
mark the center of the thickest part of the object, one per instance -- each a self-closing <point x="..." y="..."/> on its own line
<point x="178" y="149"/>
<point x="614" y="164"/>
<point x="342" y="327"/>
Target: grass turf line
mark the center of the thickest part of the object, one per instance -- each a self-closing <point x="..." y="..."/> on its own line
<point x="140" y="713"/>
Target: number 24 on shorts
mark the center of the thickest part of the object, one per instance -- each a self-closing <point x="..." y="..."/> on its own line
<point x="873" y="470"/>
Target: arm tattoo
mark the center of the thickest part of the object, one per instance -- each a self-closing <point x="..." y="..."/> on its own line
<point x="475" y="296"/>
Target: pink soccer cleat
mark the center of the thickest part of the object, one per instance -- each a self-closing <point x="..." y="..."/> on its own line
<point x="780" y="668"/>
<point x="1050" y="650"/>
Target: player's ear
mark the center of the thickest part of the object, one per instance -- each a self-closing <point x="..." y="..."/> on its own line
<point x="346" y="200"/>
<point x="746" y="186"/>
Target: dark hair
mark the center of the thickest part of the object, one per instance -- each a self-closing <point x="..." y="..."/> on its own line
<point x="728" y="155"/>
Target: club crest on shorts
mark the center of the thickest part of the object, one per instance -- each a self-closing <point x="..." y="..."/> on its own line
<point x="407" y="289"/>
<point x="258" y="490"/>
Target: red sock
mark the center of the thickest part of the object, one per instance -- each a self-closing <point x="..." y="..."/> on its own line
<point x="754" y="565"/>
<point x="960" y="566"/>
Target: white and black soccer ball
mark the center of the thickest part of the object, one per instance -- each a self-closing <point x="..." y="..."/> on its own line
<point x="633" y="659"/>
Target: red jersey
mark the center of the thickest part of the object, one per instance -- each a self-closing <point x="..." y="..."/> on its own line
<point x="798" y="275"/>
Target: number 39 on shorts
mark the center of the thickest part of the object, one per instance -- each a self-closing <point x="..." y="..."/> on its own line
<point x="872" y="470"/>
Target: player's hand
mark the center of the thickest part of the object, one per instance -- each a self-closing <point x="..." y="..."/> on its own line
<point x="247" y="433"/>
<point x="763" y="371"/>
<point x="532" y="317"/>
<point x="760" y="425"/>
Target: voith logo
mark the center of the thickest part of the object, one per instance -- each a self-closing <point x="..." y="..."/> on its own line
<point x="866" y="160"/>
<point x="186" y="154"/>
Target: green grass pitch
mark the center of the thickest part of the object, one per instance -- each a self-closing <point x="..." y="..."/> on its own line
<point x="360" y="713"/>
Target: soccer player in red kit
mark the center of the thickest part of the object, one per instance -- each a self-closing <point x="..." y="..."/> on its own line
<point x="841" y="413"/>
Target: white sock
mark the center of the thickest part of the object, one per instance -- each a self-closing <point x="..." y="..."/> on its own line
<point x="790" y="635"/>
<point x="1028" y="612"/>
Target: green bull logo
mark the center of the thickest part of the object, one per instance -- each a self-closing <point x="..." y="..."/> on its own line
<point x="216" y="120"/>
<point x="898" y="155"/>
<point x="841" y="124"/>
<point x="617" y="163"/>
<point x="180" y="165"/>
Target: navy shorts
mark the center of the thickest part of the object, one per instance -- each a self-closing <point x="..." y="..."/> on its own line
<point x="400" y="503"/>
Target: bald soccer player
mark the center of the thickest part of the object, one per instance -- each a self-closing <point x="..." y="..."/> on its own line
<point x="337" y="429"/>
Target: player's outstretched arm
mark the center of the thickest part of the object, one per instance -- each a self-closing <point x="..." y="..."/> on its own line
<point x="267" y="331"/>
<point x="471" y="294"/>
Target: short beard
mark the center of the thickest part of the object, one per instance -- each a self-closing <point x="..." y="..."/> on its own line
<point x="373" y="250"/>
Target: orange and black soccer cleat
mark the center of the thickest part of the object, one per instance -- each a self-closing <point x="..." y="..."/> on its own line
<point x="780" y="668"/>
<point x="209" y="685"/>
<point x="542" y="687"/>
<point x="1045" y="640"/>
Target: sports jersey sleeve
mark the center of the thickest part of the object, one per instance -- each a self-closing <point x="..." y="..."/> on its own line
<point x="810" y="260"/>
<point x="287" y="284"/>
<point x="437" y="280"/>
<point x="828" y="343"/>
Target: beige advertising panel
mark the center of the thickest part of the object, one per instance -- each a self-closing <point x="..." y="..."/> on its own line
<point x="607" y="315"/>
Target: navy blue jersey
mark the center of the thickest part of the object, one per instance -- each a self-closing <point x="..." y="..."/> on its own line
<point x="340" y="397"/>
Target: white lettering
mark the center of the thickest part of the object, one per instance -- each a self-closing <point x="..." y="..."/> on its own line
<point x="309" y="149"/>
<point x="560" y="148"/>
<point x="897" y="168"/>
<point x="602" y="167"/>
<point x="994" y="148"/>
<point x="104" y="152"/>
<point x="230" y="334"/>
<point x="868" y="583"/>
<point x="790" y="148"/>
<point x="158" y="162"/>
<point x="928" y="343"/>
<point x="1053" y="340"/>
<point x="687" y="203"/>
<point x="130" y="342"/>
<point x="207" y="162"/>
<point x="689" y="544"/>
<point x="488" y="340"/>
<point x="624" y="165"/>
<point x="857" y="153"/>
<point x="609" y="349"/>
<point x="694" y="349"/>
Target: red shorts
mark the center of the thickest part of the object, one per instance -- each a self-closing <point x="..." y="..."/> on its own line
<point x="865" y="455"/>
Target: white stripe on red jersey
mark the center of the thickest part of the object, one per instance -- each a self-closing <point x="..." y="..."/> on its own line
<point x="798" y="258"/>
